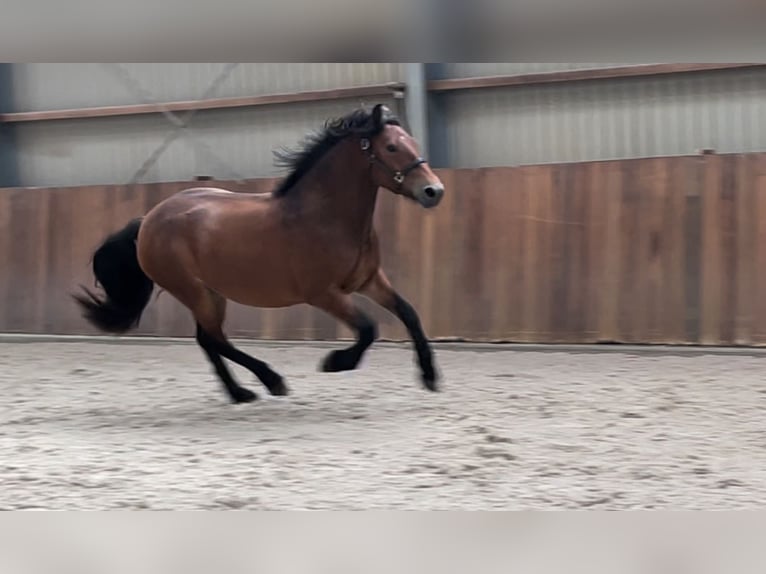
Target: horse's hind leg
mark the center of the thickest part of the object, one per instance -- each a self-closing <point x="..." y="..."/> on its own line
<point x="237" y="393"/>
<point x="340" y="306"/>
<point x="213" y="341"/>
<point x="209" y="310"/>
<point x="209" y="313"/>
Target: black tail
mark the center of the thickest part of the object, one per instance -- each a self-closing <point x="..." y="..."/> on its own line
<point x="127" y="287"/>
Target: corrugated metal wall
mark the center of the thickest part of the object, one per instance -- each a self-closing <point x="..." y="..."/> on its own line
<point x="110" y="150"/>
<point x="56" y="86"/>
<point x="603" y="119"/>
<point x="607" y="119"/>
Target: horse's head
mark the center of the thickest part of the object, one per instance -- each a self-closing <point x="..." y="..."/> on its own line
<point x="396" y="161"/>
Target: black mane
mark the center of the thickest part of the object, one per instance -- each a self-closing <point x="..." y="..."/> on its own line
<point x="314" y="146"/>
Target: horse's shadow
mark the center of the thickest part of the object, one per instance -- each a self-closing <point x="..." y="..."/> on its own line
<point x="213" y="413"/>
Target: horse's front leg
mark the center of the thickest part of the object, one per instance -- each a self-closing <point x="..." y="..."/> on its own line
<point x="340" y="306"/>
<point x="379" y="289"/>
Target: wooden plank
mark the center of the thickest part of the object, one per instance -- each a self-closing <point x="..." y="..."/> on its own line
<point x="546" y="224"/>
<point x="465" y="244"/>
<point x="590" y="74"/>
<point x="595" y="225"/>
<point x="445" y="294"/>
<point x="651" y="182"/>
<point x="474" y="310"/>
<point x="563" y="221"/>
<point x="42" y="229"/>
<point x="673" y="248"/>
<point x="504" y="257"/>
<point x="758" y="330"/>
<point x="631" y="303"/>
<point x="611" y="261"/>
<point x="62" y="314"/>
<point x="727" y="216"/>
<point x="532" y="220"/>
<point x="745" y="294"/>
<point x="712" y="264"/>
<point x="6" y="247"/>
<point x="693" y="252"/>
<point x="576" y="222"/>
<point x="494" y="251"/>
<point x="207" y="104"/>
<point x="654" y="245"/>
<point x="18" y="272"/>
<point x="481" y="239"/>
<point x="559" y="259"/>
<point x="27" y="261"/>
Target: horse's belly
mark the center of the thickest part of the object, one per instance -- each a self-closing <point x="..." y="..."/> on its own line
<point x="267" y="281"/>
<point x="272" y="296"/>
<point x="259" y="286"/>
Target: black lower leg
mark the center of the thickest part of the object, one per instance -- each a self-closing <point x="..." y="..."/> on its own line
<point x="237" y="393"/>
<point x="270" y="379"/>
<point x="348" y="359"/>
<point x="407" y="314"/>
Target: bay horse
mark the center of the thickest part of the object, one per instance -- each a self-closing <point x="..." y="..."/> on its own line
<point x="311" y="240"/>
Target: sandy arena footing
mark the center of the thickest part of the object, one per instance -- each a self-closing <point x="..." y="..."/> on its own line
<point x="88" y="425"/>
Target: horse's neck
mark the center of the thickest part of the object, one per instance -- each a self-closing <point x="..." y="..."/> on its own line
<point x="340" y="194"/>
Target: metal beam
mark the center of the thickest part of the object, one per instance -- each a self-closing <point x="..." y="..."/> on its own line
<point x="9" y="168"/>
<point x="437" y="119"/>
<point x="416" y="100"/>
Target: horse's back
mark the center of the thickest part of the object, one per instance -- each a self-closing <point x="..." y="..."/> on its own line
<point x="205" y="219"/>
<point x="253" y="249"/>
<point x="218" y="194"/>
<point x="205" y="203"/>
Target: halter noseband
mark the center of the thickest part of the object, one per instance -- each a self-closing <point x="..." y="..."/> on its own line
<point x="398" y="175"/>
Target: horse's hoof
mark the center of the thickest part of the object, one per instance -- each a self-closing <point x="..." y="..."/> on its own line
<point x="274" y="382"/>
<point x="279" y="389"/>
<point x="430" y="380"/>
<point x="243" y="395"/>
<point x="338" y="361"/>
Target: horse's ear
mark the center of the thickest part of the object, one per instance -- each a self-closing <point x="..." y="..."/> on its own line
<point x="379" y="112"/>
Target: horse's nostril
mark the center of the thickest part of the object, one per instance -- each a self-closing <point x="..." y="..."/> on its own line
<point x="430" y="195"/>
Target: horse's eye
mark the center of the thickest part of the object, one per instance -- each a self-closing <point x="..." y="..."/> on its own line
<point x="391" y="148"/>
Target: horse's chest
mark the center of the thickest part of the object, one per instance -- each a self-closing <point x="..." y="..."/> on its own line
<point x="323" y="265"/>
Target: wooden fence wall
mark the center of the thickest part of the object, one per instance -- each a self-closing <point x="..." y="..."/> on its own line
<point x="659" y="250"/>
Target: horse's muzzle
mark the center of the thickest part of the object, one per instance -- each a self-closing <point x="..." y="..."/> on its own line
<point x="430" y="195"/>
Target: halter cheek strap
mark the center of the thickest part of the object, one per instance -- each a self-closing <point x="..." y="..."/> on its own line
<point x="397" y="175"/>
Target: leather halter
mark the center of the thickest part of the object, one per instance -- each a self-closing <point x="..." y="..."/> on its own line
<point x="398" y="175"/>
